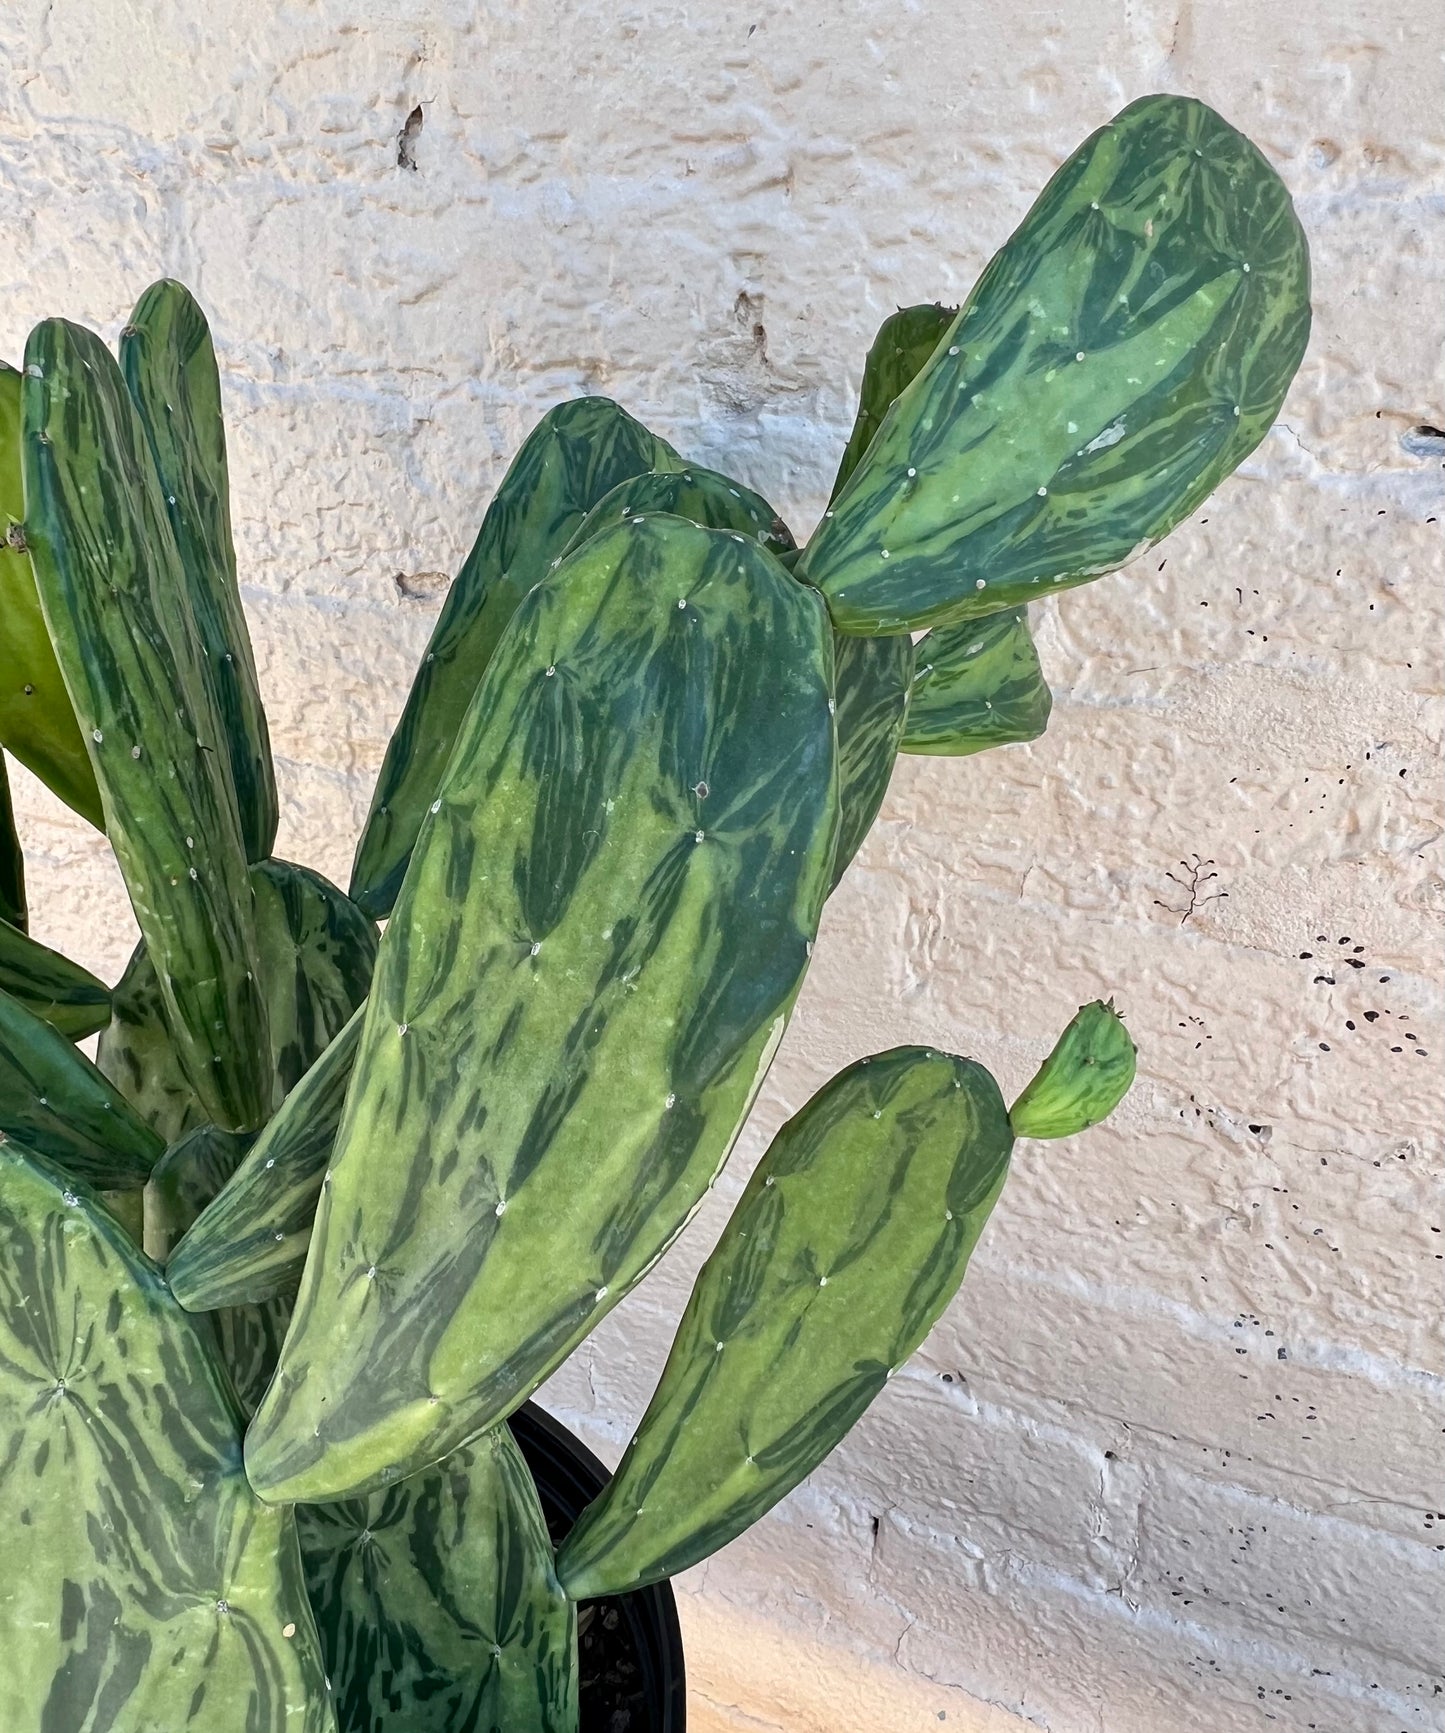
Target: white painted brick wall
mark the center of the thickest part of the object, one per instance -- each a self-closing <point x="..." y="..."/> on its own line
<point x="1172" y="1463"/>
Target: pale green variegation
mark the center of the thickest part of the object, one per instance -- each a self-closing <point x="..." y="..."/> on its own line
<point x="437" y="1601"/>
<point x="643" y="805"/>
<point x="152" y="1590"/>
<point x="250" y="1243"/>
<point x="170" y="367"/>
<point x="977" y="685"/>
<point x="37" y="720"/>
<point x="59" y="992"/>
<point x="1122" y="354"/>
<point x="115" y="602"/>
<point x="576" y="454"/>
<point x="1082" y="1081"/>
<point x="54" y="1101"/>
<point x="852" y="1236"/>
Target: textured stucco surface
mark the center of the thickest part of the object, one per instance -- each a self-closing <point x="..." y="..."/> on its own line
<point x="1174" y="1459"/>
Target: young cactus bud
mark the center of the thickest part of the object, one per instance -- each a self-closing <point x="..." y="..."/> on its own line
<point x="1082" y="1081"/>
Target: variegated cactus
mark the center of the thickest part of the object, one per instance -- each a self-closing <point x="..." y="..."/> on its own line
<point x="647" y="738"/>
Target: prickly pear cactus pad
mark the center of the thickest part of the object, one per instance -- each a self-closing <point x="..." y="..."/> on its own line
<point x="852" y="1236"/>
<point x="1125" y="351"/>
<point x="151" y="1590"/>
<point x="170" y="367"/>
<point x="37" y="721"/>
<point x="250" y="1243"/>
<point x="905" y="341"/>
<point x="711" y="500"/>
<point x="578" y="452"/>
<point x="115" y="602"/>
<point x="977" y="685"/>
<point x="642" y="808"/>
<point x="438" y="1604"/>
<point x="1083" y="1080"/>
<point x="56" y="990"/>
<point x="55" y="1102"/>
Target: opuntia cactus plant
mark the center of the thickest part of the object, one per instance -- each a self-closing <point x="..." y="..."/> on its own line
<point x="278" y="1265"/>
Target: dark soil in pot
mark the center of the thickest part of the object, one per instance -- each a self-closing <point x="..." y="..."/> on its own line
<point x="629" y="1646"/>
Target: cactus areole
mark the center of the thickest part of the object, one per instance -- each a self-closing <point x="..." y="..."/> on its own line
<point x="330" y="1202"/>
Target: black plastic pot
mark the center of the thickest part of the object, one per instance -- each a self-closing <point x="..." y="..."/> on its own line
<point x="630" y="1646"/>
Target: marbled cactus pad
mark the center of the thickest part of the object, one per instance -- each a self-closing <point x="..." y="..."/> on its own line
<point x="871" y="682"/>
<point x="170" y="368"/>
<point x="61" y="993"/>
<point x="852" y="1236"/>
<point x="576" y="454"/>
<point x="978" y="684"/>
<point x="703" y="496"/>
<point x="115" y="601"/>
<point x="437" y="1602"/>
<point x="156" y="1592"/>
<point x="642" y="811"/>
<point x="905" y="341"/>
<point x="1125" y="351"/>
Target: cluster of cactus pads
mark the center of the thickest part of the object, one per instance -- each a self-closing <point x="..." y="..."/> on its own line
<point x="330" y="1202"/>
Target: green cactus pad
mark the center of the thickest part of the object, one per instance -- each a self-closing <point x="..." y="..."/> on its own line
<point x="155" y="1591"/>
<point x="1082" y="1081"/>
<point x="250" y="1243"/>
<point x="55" y="1102"/>
<point x="706" y="498"/>
<point x="905" y="341"/>
<point x="553" y="1067"/>
<point x="170" y="367"/>
<point x="852" y="1236"/>
<point x="437" y="1602"/>
<point x="50" y="986"/>
<point x="315" y="953"/>
<point x="871" y="678"/>
<point x="977" y="685"/>
<point x="578" y="452"/>
<point x="14" y="910"/>
<point x="1127" y="349"/>
<point x="115" y="600"/>
<point x="37" y="720"/>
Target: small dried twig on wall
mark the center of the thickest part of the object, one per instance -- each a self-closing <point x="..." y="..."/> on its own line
<point x="1193" y="888"/>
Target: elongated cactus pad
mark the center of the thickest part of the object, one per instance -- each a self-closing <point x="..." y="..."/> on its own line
<point x="152" y="1590"/>
<point x="170" y="367"/>
<point x="315" y="953"/>
<point x="977" y="685"/>
<point x="905" y="341"/>
<point x="37" y="720"/>
<point x="553" y="1067"/>
<point x="706" y="498"/>
<point x="1082" y="1081"/>
<point x="251" y="1242"/>
<point x="437" y="1602"/>
<point x="871" y="677"/>
<point x="578" y="452"/>
<point x="1127" y="349"/>
<point x="852" y="1236"/>
<point x="115" y="601"/>
<point x="14" y="910"/>
<point x="50" y="986"/>
<point x="55" y="1102"/>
